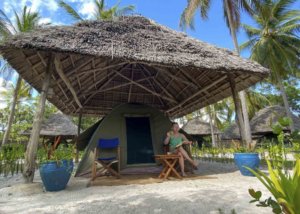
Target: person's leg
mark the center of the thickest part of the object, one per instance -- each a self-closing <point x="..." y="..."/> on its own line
<point x="181" y="163"/>
<point x="186" y="156"/>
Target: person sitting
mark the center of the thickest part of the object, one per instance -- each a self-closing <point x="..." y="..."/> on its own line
<point x="176" y="140"/>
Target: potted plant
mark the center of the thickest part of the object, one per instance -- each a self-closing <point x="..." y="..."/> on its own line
<point x="56" y="167"/>
<point x="246" y="157"/>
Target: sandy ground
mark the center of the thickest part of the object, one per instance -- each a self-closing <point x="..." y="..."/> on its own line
<point x="228" y="190"/>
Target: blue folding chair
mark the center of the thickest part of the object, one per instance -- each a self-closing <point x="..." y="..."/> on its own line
<point x="107" y="162"/>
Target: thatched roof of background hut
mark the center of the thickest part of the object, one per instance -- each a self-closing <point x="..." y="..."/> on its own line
<point x="198" y="127"/>
<point x="101" y="64"/>
<point x="57" y="124"/>
<point x="262" y="122"/>
<point x="264" y="119"/>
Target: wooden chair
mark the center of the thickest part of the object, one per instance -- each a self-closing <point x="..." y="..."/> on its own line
<point x="107" y="162"/>
<point x="188" y="166"/>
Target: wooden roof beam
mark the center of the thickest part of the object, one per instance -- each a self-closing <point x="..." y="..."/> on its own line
<point x="158" y="83"/>
<point x="117" y="86"/>
<point x="130" y="87"/>
<point x="153" y="87"/>
<point x="197" y="93"/>
<point x="145" y="88"/>
<point x="176" y="77"/>
<point x="65" y="79"/>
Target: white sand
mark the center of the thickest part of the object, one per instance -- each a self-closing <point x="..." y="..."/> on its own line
<point x="228" y="191"/>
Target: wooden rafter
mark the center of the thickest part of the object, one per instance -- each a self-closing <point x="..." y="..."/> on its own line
<point x="104" y="80"/>
<point x="175" y="77"/>
<point x="197" y="93"/>
<point x="130" y="87"/>
<point x="103" y="68"/>
<point x="93" y="94"/>
<point x="118" y="86"/>
<point x="159" y="84"/>
<point x="60" y="72"/>
<point x="145" y="88"/>
<point x="153" y="87"/>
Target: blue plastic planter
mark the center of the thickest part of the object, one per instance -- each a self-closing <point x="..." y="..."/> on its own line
<point x="56" y="175"/>
<point x="250" y="160"/>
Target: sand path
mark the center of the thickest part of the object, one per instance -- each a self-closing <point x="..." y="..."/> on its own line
<point x="229" y="190"/>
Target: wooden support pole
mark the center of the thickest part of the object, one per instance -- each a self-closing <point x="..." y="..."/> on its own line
<point x="78" y="133"/>
<point x="238" y="107"/>
<point x="60" y="72"/>
<point x="30" y="155"/>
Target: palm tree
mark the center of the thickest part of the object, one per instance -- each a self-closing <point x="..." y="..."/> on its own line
<point x="274" y="41"/>
<point x="100" y="12"/>
<point x="26" y="21"/>
<point x="232" y="17"/>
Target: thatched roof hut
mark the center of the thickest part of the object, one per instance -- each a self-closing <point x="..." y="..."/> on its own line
<point x="261" y="123"/>
<point x="98" y="65"/>
<point x="263" y="120"/>
<point x="197" y="127"/>
<point x="57" y="124"/>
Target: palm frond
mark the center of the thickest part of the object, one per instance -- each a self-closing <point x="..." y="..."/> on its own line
<point x="248" y="44"/>
<point x="251" y="31"/>
<point x="232" y="12"/>
<point x="70" y="10"/>
<point x="187" y="16"/>
<point x="6" y="26"/>
<point x="281" y="7"/>
<point x="125" y="10"/>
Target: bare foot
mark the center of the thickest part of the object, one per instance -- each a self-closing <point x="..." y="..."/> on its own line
<point x="195" y="165"/>
<point x="183" y="174"/>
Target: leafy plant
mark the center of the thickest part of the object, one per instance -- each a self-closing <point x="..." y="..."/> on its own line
<point x="11" y="159"/>
<point x="269" y="202"/>
<point x="61" y="153"/>
<point x="284" y="187"/>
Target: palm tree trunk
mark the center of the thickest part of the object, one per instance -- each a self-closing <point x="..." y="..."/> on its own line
<point x="12" y="112"/>
<point x="30" y="155"/>
<point x="248" y="137"/>
<point x="213" y="139"/>
<point x="245" y="124"/>
<point x="286" y="103"/>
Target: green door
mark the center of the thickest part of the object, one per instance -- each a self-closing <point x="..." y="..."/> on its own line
<point x="139" y="141"/>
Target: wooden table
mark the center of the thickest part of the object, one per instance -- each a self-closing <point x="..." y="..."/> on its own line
<point x="169" y="162"/>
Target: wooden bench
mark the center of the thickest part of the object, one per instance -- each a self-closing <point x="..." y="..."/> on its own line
<point x="169" y="161"/>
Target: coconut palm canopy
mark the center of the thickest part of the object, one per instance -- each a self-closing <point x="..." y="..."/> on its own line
<point x="101" y="64"/>
<point x="262" y="122"/>
<point x="198" y="127"/>
<point x="57" y="124"/>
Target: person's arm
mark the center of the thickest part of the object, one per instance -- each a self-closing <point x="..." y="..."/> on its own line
<point x="167" y="140"/>
<point x="185" y="140"/>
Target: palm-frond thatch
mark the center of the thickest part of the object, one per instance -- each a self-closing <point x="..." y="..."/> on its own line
<point x="101" y="64"/>
<point x="262" y="122"/>
<point x="198" y="127"/>
<point x="57" y="124"/>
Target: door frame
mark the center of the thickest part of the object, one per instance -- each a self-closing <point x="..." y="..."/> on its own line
<point x="125" y="135"/>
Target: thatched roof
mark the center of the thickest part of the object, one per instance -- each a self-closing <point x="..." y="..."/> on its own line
<point x="198" y="127"/>
<point x="57" y="124"/>
<point x="265" y="118"/>
<point x="101" y="64"/>
<point x="262" y="122"/>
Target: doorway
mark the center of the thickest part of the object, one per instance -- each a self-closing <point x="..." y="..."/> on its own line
<point x="139" y="140"/>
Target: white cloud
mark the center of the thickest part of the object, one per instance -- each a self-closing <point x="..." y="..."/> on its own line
<point x="34" y="5"/>
<point x="51" y="5"/>
<point x="45" y="21"/>
<point x="87" y="9"/>
<point x="3" y="89"/>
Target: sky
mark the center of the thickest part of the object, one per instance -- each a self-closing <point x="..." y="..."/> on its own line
<point x="165" y="12"/>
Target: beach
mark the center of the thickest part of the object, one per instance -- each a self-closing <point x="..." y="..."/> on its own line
<point x="222" y="188"/>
